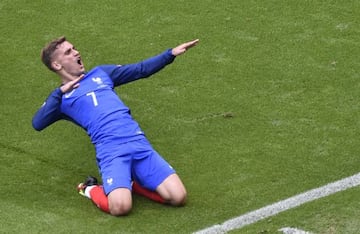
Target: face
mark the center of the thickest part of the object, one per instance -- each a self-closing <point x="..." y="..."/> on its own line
<point x="67" y="61"/>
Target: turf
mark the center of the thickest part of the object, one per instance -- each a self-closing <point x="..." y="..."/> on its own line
<point x="264" y="108"/>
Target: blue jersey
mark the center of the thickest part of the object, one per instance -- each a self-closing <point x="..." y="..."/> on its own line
<point x="96" y="107"/>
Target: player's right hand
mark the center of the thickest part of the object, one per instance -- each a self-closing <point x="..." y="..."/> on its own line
<point x="70" y="85"/>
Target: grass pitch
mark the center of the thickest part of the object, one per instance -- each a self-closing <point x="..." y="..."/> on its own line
<point x="264" y="108"/>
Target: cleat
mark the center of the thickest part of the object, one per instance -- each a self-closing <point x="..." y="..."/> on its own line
<point x="81" y="189"/>
<point x="89" y="181"/>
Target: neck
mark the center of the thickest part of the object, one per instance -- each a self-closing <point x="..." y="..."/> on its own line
<point x="66" y="77"/>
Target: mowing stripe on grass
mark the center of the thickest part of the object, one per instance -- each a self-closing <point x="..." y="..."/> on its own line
<point x="283" y="205"/>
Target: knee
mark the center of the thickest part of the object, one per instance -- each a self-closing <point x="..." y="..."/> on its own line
<point x="173" y="191"/>
<point x="178" y="199"/>
<point x="120" y="202"/>
<point x="120" y="208"/>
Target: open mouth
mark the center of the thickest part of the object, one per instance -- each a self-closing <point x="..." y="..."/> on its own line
<point x="79" y="61"/>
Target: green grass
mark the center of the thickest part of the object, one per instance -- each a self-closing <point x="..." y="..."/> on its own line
<point x="264" y="108"/>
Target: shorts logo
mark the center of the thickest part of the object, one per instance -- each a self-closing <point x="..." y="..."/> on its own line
<point x="109" y="181"/>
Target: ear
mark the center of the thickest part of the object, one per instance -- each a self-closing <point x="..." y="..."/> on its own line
<point x="57" y="66"/>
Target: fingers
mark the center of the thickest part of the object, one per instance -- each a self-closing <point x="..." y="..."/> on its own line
<point x="189" y="44"/>
<point x="71" y="84"/>
<point x="79" y="78"/>
<point x="192" y="43"/>
<point x="183" y="47"/>
<point x="75" y="83"/>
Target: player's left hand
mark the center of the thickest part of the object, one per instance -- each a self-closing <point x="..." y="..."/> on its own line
<point x="180" y="49"/>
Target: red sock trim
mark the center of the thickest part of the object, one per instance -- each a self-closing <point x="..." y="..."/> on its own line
<point x="136" y="188"/>
<point x="99" y="198"/>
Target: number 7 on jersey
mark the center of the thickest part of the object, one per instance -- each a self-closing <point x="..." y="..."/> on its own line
<point x="93" y="96"/>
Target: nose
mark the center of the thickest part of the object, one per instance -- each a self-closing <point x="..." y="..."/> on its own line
<point x="76" y="52"/>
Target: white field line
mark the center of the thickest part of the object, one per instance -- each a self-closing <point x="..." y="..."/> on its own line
<point x="275" y="208"/>
<point x="289" y="230"/>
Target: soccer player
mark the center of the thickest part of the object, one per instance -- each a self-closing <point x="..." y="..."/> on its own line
<point x="125" y="158"/>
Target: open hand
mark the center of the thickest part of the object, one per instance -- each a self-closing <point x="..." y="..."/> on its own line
<point x="73" y="84"/>
<point x="184" y="47"/>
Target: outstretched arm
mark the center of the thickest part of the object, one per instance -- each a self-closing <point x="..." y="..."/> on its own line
<point x="130" y="72"/>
